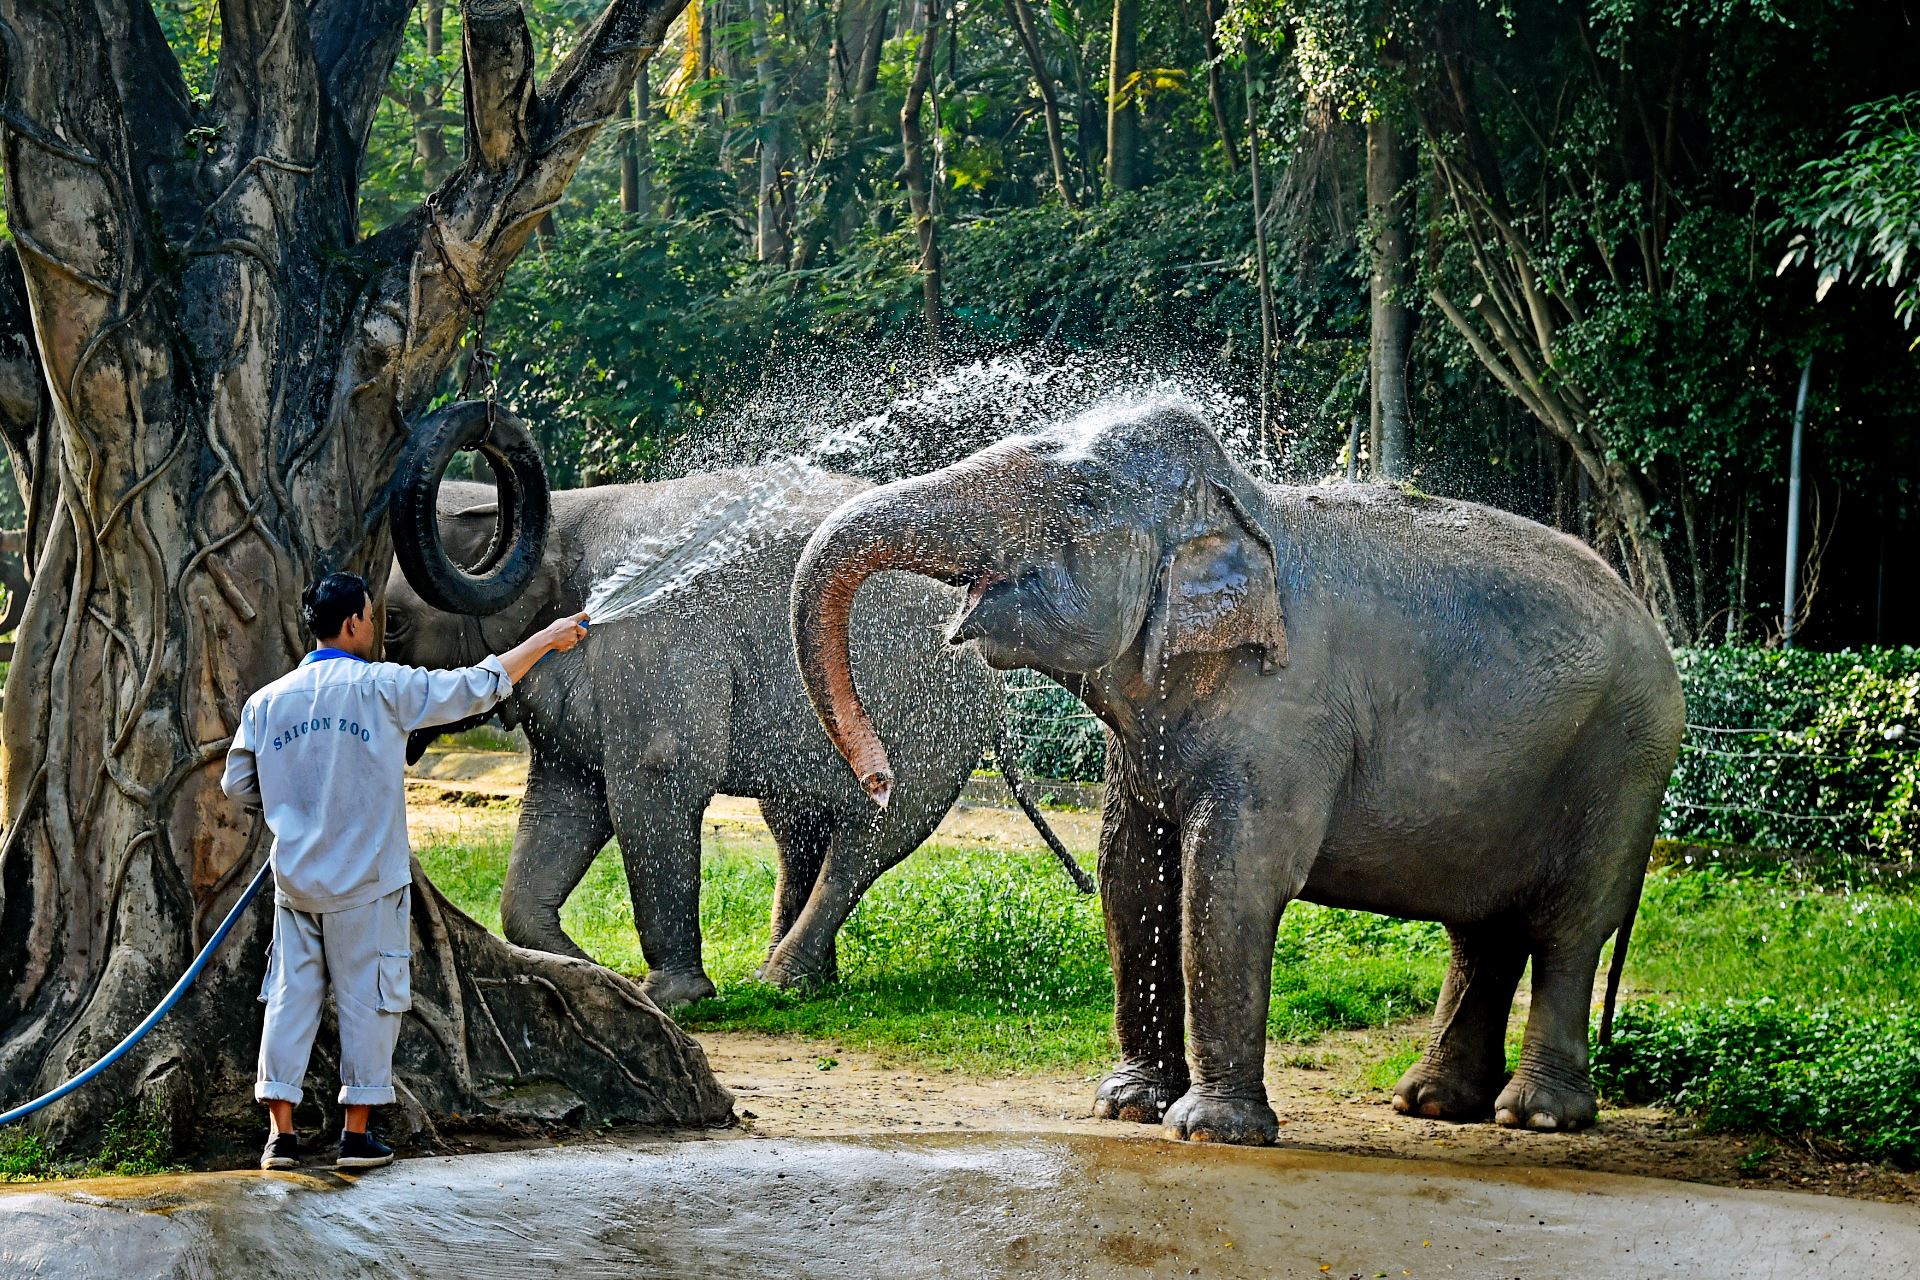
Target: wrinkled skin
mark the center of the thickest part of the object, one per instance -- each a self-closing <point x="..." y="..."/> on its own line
<point x="633" y="732"/>
<point x="1349" y="695"/>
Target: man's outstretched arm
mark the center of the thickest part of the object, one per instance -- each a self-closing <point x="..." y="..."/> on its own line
<point x="423" y="699"/>
<point x="556" y="637"/>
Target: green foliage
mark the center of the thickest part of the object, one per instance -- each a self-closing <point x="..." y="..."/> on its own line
<point x="1708" y="935"/>
<point x="23" y="1156"/>
<point x="966" y="957"/>
<point x="1845" y="1077"/>
<point x="1856" y="216"/>
<point x="1833" y="738"/>
<point x="1780" y="1008"/>
<point x="1054" y="735"/>
<point x="135" y="1141"/>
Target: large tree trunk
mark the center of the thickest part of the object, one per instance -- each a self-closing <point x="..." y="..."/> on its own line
<point x="914" y="171"/>
<point x="636" y="149"/>
<point x="1263" y="268"/>
<point x="229" y="368"/>
<point x="1049" y="103"/>
<point x="770" y="241"/>
<point x="1123" y="113"/>
<point x="1390" y="250"/>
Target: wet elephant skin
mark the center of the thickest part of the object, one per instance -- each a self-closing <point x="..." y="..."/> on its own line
<point x="1352" y="694"/>
<point x="634" y="731"/>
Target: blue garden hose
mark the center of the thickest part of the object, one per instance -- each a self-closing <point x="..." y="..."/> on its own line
<point x="247" y="895"/>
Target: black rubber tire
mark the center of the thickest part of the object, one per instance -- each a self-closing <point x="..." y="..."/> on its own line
<point x="520" y="479"/>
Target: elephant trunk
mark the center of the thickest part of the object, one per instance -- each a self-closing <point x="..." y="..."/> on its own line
<point x="923" y="525"/>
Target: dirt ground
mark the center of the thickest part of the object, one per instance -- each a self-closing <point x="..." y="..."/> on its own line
<point x="795" y="1087"/>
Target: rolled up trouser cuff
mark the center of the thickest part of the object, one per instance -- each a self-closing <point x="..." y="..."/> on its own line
<point x="274" y="1091"/>
<point x="365" y="1095"/>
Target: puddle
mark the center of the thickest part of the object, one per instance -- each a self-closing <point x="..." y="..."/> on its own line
<point x="1053" y="1205"/>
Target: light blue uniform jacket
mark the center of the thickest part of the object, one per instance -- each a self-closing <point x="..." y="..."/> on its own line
<point x="323" y="751"/>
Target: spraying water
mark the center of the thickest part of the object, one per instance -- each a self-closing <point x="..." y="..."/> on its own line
<point x="832" y="425"/>
<point x="719" y="533"/>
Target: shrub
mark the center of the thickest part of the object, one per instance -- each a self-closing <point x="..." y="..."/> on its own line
<point x="1054" y="735"/>
<point x="1797" y="749"/>
<point x="1826" y="1072"/>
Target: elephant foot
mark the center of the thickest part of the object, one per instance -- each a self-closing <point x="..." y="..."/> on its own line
<point x="789" y="968"/>
<point x="1546" y="1097"/>
<point x="1431" y="1090"/>
<point x="1138" y="1093"/>
<point x="791" y="979"/>
<point x="670" y="989"/>
<point x="540" y="936"/>
<point x="1242" y="1121"/>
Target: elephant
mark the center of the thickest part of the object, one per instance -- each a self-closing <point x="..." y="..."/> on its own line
<point x="1355" y="695"/>
<point x="636" y="730"/>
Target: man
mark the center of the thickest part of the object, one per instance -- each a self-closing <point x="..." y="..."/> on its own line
<point x="322" y="750"/>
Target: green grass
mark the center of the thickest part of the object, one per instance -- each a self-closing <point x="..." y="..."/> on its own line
<point x="1712" y="935"/>
<point x="135" y="1141"/>
<point x="961" y="956"/>
<point x="1777" y="1006"/>
<point x="1743" y="987"/>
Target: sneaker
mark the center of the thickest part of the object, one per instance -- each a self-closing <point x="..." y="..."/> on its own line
<point x="362" y="1151"/>
<point x="283" y="1151"/>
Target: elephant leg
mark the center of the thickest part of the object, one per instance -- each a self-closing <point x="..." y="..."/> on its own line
<point x="1551" y="1089"/>
<point x="1465" y="1062"/>
<point x="657" y="817"/>
<point x="857" y="855"/>
<point x="1140" y="898"/>
<point x="563" y="826"/>
<point x="802" y="834"/>
<point x="1243" y="861"/>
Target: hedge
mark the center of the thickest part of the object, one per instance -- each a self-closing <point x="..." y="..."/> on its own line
<point x="1759" y="1065"/>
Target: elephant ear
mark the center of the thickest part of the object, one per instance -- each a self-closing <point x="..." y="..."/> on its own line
<point x="1218" y="586"/>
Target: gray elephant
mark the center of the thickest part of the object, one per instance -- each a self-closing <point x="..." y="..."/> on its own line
<point x="636" y="730"/>
<point x="1348" y="694"/>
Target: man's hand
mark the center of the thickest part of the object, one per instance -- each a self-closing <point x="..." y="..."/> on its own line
<point x="562" y="634"/>
<point x="556" y="637"/>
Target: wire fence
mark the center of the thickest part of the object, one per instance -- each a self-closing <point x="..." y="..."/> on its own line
<point x="1801" y="786"/>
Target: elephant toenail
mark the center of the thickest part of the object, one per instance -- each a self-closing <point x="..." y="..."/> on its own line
<point x="1507" y="1118"/>
<point x="1432" y="1108"/>
<point x="1401" y="1104"/>
<point x="1542" y="1120"/>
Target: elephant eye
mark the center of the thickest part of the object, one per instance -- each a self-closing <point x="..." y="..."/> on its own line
<point x="397" y="624"/>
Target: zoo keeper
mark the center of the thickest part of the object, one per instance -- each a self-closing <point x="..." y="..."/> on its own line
<point x="322" y="750"/>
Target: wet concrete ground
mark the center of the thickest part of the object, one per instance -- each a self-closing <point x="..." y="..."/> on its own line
<point x="1044" y="1205"/>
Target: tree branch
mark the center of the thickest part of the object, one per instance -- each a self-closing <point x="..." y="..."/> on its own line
<point x="449" y="256"/>
<point x="584" y="91"/>
<point x="266" y="92"/>
<point x="498" y="53"/>
<point x="355" y="43"/>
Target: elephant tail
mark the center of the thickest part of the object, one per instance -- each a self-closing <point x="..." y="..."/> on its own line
<point x="1618" y="965"/>
<point x="1009" y="769"/>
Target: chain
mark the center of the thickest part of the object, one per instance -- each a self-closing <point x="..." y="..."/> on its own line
<point x="483" y="359"/>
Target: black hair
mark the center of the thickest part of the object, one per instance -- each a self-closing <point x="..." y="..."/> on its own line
<point x="327" y="604"/>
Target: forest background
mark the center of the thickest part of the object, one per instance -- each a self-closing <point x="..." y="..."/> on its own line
<point x="1570" y="258"/>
